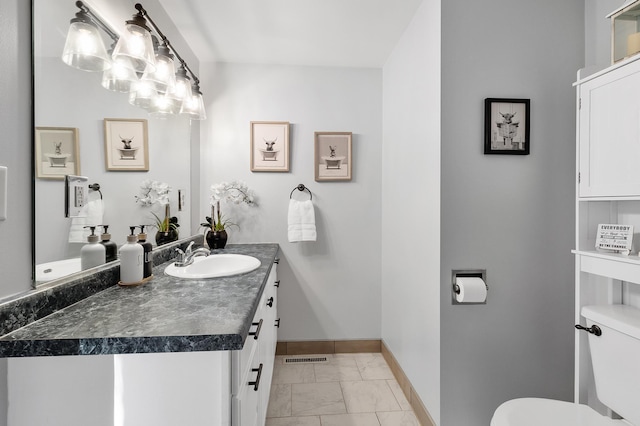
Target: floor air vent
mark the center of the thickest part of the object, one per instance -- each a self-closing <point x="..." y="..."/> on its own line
<point x="306" y="360"/>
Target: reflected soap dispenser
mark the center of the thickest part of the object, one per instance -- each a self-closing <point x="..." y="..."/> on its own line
<point x="111" y="248"/>
<point x="148" y="254"/>
<point x="131" y="262"/>
<point x="93" y="253"/>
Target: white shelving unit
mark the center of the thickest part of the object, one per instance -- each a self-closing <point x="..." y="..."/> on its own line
<point x="607" y="191"/>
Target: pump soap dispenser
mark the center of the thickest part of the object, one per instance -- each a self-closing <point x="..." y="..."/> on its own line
<point x="148" y="254"/>
<point x="111" y="248"/>
<point x="131" y="255"/>
<point x="93" y="253"/>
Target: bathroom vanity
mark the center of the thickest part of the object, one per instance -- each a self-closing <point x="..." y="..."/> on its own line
<point x="172" y="351"/>
<point x="607" y="192"/>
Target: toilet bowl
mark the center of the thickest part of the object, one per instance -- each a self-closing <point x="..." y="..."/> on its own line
<point x="549" y="412"/>
<point x="614" y="344"/>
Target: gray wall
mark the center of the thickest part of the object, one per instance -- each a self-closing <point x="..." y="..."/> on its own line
<point x="411" y="204"/>
<point x="513" y="215"/>
<point x="330" y="288"/>
<point x="15" y="122"/>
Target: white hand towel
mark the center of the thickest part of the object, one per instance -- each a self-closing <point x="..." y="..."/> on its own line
<point x="302" y="221"/>
<point x="90" y="215"/>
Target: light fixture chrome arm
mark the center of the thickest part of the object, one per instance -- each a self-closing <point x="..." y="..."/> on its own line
<point x="165" y="40"/>
<point x="96" y="20"/>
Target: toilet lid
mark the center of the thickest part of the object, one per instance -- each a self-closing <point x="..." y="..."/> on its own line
<point x="548" y="412"/>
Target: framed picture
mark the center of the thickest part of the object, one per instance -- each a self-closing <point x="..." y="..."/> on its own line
<point x="506" y="126"/>
<point x="332" y="156"/>
<point x="125" y="144"/>
<point x="269" y="146"/>
<point x="56" y="152"/>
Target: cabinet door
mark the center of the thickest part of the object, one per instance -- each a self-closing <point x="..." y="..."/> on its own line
<point x="609" y="133"/>
<point x="246" y="406"/>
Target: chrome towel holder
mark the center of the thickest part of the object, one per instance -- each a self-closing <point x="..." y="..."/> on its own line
<point x="301" y="188"/>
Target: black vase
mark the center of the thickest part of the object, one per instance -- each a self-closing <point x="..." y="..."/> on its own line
<point x="166" y="237"/>
<point x="216" y="239"/>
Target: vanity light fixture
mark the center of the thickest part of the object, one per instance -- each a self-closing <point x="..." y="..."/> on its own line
<point x="138" y="63"/>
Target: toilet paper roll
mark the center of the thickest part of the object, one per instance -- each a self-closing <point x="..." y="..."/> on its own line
<point x="472" y="290"/>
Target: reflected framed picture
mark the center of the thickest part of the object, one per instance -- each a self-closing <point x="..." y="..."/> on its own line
<point x="332" y="152"/>
<point x="269" y="146"/>
<point x="56" y="152"/>
<point x="126" y="147"/>
<point x="506" y="126"/>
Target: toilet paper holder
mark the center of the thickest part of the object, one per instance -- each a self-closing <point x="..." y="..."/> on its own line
<point x="455" y="290"/>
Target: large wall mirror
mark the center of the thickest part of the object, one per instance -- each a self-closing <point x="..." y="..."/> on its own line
<point x="66" y="98"/>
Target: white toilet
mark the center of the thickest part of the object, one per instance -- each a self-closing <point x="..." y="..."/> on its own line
<point x="616" y="367"/>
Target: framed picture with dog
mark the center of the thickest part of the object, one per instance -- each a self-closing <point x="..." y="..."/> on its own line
<point x="506" y="126"/>
<point x="269" y="146"/>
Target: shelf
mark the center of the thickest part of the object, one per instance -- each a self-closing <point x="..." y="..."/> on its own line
<point x="612" y="265"/>
<point x="609" y="198"/>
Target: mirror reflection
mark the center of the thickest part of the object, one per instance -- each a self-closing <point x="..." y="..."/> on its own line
<point x="83" y="124"/>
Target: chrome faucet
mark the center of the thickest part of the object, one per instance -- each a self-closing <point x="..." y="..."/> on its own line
<point x="185" y="258"/>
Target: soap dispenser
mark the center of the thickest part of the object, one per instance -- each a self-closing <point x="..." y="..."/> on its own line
<point x="131" y="262"/>
<point x="111" y="248"/>
<point x="93" y="253"/>
<point x="148" y="254"/>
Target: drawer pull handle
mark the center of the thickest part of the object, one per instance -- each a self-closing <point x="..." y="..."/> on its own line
<point x="277" y="283"/>
<point x="270" y="302"/>
<point x="257" y="382"/>
<point x="277" y="260"/>
<point x="256" y="333"/>
<point x="278" y="323"/>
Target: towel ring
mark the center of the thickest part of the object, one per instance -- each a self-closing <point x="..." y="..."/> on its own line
<point x="96" y="187"/>
<point x="301" y="188"/>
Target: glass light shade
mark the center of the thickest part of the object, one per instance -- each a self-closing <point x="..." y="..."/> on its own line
<point x="142" y="94"/>
<point x="135" y="43"/>
<point x="120" y="77"/>
<point x="170" y="102"/>
<point x="182" y="88"/>
<point x="193" y="106"/>
<point x="164" y="74"/>
<point x="163" y="106"/>
<point x="84" y="48"/>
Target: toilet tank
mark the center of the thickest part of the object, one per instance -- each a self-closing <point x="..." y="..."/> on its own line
<point x="615" y="356"/>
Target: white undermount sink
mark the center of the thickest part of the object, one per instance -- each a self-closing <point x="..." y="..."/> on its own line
<point x="214" y="265"/>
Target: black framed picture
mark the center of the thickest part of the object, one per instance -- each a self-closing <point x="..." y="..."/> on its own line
<point x="506" y="126"/>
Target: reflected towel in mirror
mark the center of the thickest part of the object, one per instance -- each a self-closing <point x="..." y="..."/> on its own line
<point x="91" y="215"/>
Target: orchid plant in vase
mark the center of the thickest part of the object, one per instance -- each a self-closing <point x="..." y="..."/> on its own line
<point x="155" y="192"/>
<point x="216" y="225"/>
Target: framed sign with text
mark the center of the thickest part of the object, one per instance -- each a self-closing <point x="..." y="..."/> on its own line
<point x="618" y="238"/>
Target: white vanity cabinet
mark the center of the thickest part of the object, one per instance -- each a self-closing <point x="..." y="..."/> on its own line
<point x="252" y="367"/>
<point x="198" y="388"/>
<point x="607" y="192"/>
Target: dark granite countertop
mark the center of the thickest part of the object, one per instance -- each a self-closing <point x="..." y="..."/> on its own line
<point x="166" y="314"/>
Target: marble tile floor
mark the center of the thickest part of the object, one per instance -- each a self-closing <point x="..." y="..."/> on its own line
<point x="348" y="390"/>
